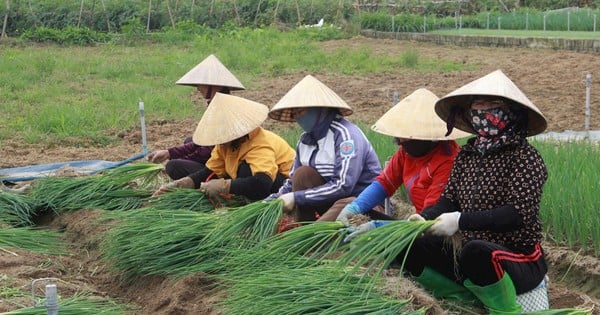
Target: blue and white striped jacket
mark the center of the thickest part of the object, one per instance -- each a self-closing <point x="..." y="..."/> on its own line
<point x="344" y="157"/>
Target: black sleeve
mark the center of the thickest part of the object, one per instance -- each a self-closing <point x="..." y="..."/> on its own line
<point x="443" y="205"/>
<point x="200" y="176"/>
<point x="503" y="219"/>
<point x="254" y="187"/>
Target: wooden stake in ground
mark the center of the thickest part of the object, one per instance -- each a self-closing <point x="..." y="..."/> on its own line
<point x="257" y="11"/>
<point x="148" y="20"/>
<point x="237" y="14"/>
<point x="298" y="12"/>
<point x="3" y="35"/>
<point x="80" y="13"/>
<point x="106" y="15"/>
<point x="170" y="14"/>
<point x="275" y="12"/>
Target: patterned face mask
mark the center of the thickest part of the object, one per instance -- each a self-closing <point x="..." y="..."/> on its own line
<point x="490" y="122"/>
<point x="493" y="126"/>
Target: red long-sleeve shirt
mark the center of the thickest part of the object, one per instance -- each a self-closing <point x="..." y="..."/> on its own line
<point x="424" y="177"/>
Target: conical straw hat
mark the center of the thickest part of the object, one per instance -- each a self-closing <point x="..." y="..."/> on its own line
<point x="309" y="92"/>
<point x="227" y="118"/>
<point x="493" y="84"/>
<point x="414" y="117"/>
<point x="211" y="72"/>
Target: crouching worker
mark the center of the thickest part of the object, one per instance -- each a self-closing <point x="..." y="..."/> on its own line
<point x="247" y="160"/>
<point x="422" y="163"/>
<point x="492" y="200"/>
<point x="334" y="159"/>
<point x="208" y="77"/>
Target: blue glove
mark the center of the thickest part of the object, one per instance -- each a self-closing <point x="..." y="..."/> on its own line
<point x="348" y="212"/>
<point x="363" y="228"/>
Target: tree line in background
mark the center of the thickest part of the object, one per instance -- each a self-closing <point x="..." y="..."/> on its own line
<point x="108" y="16"/>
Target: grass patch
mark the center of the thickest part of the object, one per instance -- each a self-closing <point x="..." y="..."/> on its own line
<point x="88" y="95"/>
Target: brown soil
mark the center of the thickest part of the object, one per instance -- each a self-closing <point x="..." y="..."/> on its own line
<point x="553" y="80"/>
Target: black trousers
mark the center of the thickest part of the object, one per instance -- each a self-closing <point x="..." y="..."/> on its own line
<point x="482" y="262"/>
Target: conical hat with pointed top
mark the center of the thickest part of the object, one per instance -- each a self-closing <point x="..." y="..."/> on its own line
<point x="414" y="117"/>
<point x="309" y="92"/>
<point x="211" y="72"/>
<point x="227" y="118"/>
<point x="493" y="84"/>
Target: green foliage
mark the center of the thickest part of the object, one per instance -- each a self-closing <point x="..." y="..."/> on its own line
<point x="70" y="35"/>
<point x="518" y="19"/>
<point x="570" y="201"/>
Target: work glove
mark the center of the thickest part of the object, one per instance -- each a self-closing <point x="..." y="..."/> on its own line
<point x="446" y="225"/>
<point x="271" y="197"/>
<point x="348" y="212"/>
<point x="416" y="217"/>
<point x="363" y="228"/>
<point x="158" y="156"/>
<point x="288" y="202"/>
<point x="216" y="187"/>
<point x="185" y="182"/>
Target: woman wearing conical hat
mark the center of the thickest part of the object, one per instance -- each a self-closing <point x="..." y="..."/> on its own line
<point x="247" y="160"/>
<point x="422" y="163"/>
<point x="334" y="159"/>
<point x="209" y="77"/>
<point x="492" y="200"/>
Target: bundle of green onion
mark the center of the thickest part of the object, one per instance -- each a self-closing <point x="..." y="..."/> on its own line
<point x="31" y="239"/>
<point x="155" y="242"/>
<point x="323" y="289"/>
<point x="376" y="249"/>
<point x="114" y="190"/>
<point x="17" y="210"/>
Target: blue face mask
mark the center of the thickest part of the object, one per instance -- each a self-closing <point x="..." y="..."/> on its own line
<point x="310" y="119"/>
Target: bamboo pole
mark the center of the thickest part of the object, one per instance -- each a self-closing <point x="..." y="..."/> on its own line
<point x="91" y="19"/>
<point x="170" y="14"/>
<point x="80" y="13"/>
<point x="298" y="12"/>
<point x="275" y="12"/>
<point x="257" y="11"/>
<point x="3" y="34"/>
<point x="32" y="14"/>
<point x="237" y="14"/>
<point x="105" y="15"/>
<point x="148" y="20"/>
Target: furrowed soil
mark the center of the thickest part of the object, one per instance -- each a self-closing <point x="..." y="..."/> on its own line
<point x="553" y="80"/>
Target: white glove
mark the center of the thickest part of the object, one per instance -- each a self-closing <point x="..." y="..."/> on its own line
<point x="271" y="197"/>
<point x="446" y="225"/>
<point x="288" y="202"/>
<point x="416" y="217"/>
<point x="158" y="156"/>
<point x="363" y="228"/>
<point x="348" y="212"/>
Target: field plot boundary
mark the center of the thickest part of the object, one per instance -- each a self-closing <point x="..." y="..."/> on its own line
<point x="580" y="45"/>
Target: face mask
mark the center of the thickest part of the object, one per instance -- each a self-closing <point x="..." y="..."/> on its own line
<point x="417" y="148"/>
<point x="490" y="122"/>
<point x="310" y="119"/>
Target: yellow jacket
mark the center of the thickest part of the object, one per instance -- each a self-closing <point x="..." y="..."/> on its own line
<point x="264" y="151"/>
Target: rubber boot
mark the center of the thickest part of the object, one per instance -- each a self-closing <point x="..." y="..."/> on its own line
<point x="443" y="287"/>
<point x="499" y="298"/>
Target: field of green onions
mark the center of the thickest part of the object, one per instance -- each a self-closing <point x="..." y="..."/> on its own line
<point x="184" y="253"/>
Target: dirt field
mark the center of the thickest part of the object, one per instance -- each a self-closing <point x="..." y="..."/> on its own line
<point x="553" y="80"/>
